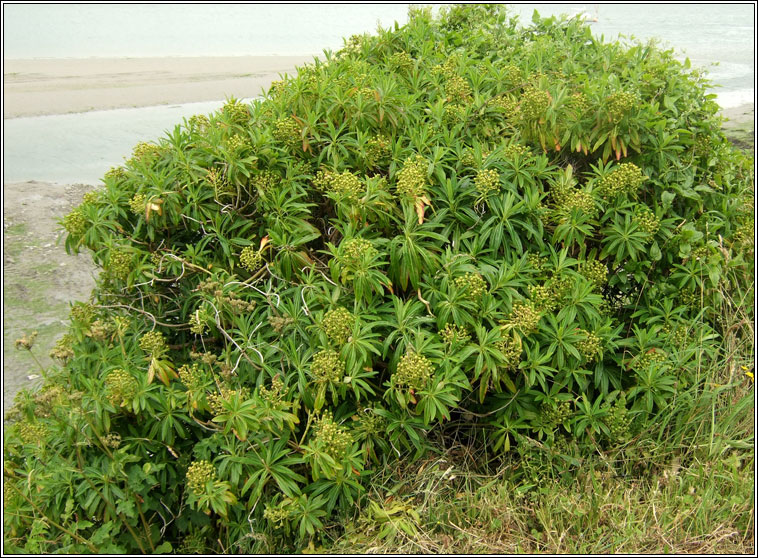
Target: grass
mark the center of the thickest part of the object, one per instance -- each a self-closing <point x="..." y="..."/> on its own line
<point x="680" y="502"/>
<point x="686" y="486"/>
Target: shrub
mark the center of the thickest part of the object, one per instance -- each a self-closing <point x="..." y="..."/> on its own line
<point x="458" y="225"/>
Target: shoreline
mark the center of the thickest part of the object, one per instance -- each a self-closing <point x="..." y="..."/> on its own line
<point x="48" y="86"/>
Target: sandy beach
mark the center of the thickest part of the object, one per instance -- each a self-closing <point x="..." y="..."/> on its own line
<point x="40" y="279"/>
<point x="60" y="86"/>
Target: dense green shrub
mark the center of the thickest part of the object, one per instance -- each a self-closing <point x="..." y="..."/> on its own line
<point x="461" y="225"/>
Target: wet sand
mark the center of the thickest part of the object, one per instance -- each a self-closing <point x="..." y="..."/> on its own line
<point x="60" y="86"/>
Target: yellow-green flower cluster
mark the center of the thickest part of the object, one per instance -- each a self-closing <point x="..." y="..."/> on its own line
<point x="365" y="92"/>
<point x="338" y="324"/>
<point x="216" y="400"/>
<point x="323" y="180"/>
<point x="413" y="371"/>
<point x="278" y="86"/>
<point x="91" y="197"/>
<point x="594" y="270"/>
<point x="209" y="286"/>
<point x="689" y="298"/>
<point x="236" y="111"/>
<point x="469" y="158"/>
<point x="511" y="74"/>
<point x="63" y="350"/>
<point x="534" y="104"/>
<point x="236" y="304"/>
<point x="487" y="181"/>
<point x="280" y="514"/>
<point x="353" y="45"/>
<point x="378" y="150"/>
<point x="543" y="297"/>
<point x="145" y="152"/>
<point x="26" y="341"/>
<point x="575" y="199"/>
<point x="448" y="69"/>
<point x="646" y="220"/>
<point x="560" y="286"/>
<point x="511" y="351"/>
<point x="116" y="173"/>
<point x="556" y="414"/>
<point x="48" y="400"/>
<point x="618" y="420"/>
<point x="699" y="253"/>
<point x="191" y="376"/>
<point x="101" y="330"/>
<point x="624" y="179"/>
<point x="536" y="261"/>
<point x="266" y="180"/>
<point x="401" y="61"/>
<point x="619" y="104"/>
<point x="287" y="131"/>
<point x="206" y="358"/>
<point x="153" y="344"/>
<point x="355" y="250"/>
<point x="454" y="113"/>
<point x="508" y="104"/>
<point x="273" y="394"/>
<point x="279" y="323"/>
<point x="327" y="367"/>
<point x="473" y="284"/>
<point x="347" y="185"/>
<point x="198" y="123"/>
<point x="199" y="473"/>
<point x="652" y="356"/>
<point x="121" y="387"/>
<point x="137" y="204"/>
<point x="120" y="264"/>
<point x="237" y="143"/>
<point x="412" y="180"/>
<point x="513" y="150"/>
<point x="590" y="347"/>
<point x="457" y="89"/>
<point x="82" y="313"/>
<point x="333" y="438"/>
<point x="452" y="334"/>
<point x="31" y="432"/>
<point x="546" y="297"/>
<point x="250" y="258"/>
<point x="524" y="317"/>
<point x="218" y="181"/>
<point x="681" y="335"/>
<point x="579" y="104"/>
<point x="744" y="235"/>
<point x="112" y="440"/>
<point x="75" y="223"/>
<point x="197" y="324"/>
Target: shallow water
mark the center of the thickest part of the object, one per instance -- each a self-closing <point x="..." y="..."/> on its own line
<point x="70" y="148"/>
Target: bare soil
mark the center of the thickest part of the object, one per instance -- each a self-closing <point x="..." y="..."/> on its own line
<point x="39" y="279"/>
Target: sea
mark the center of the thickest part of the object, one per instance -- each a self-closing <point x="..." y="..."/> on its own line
<point x="81" y="147"/>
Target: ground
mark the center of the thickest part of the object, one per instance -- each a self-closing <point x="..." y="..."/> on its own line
<point x="39" y="278"/>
